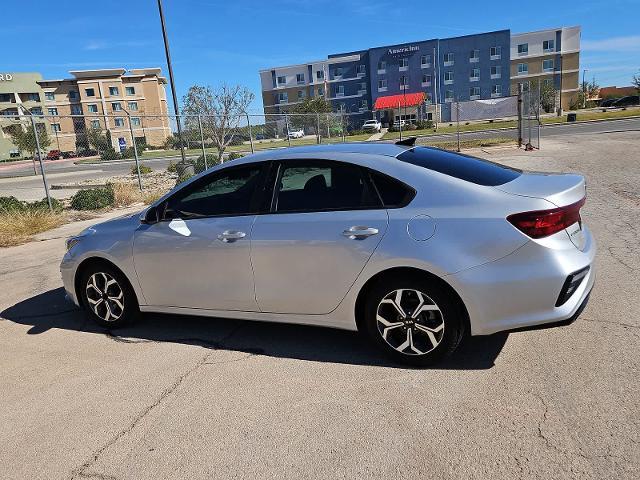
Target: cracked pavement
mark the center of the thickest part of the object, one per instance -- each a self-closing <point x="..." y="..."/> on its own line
<point x="184" y="397"/>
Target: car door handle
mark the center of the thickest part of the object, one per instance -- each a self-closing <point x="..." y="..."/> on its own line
<point x="231" y="236"/>
<point x="358" y="232"/>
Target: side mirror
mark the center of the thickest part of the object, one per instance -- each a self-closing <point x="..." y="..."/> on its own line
<point x="151" y="215"/>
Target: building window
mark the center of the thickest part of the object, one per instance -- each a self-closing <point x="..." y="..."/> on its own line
<point x="119" y="122"/>
<point x="337" y="73"/>
<point x="320" y="92"/>
<point x="523" y="68"/>
<point x="113" y="91"/>
<point x="496" y="52"/>
<point x="135" y="121"/>
<point x="382" y="66"/>
<point x="364" y="106"/>
<point x="474" y="56"/>
<point x="426" y="80"/>
<point x="53" y="111"/>
<point x="73" y="95"/>
<point x="283" y="97"/>
<point x="339" y="90"/>
<point x="92" y="108"/>
<point x="425" y="61"/>
<point x="133" y="106"/>
<point x="95" y="123"/>
<point x="320" y="74"/>
<point x="32" y="97"/>
<point x="448" y="59"/>
<point x="448" y="96"/>
<point x="299" y="78"/>
<point x="76" y="109"/>
<point x="547" y="65"/>
<point x="301" y="95"/>
<point x="50" y="96"/>
<point x="549" y="45"/>
<point x="342" y="108"/>
<point x="474" y="93"/>
<point x="130" y="90"/>
<point x="523" y="49"/>
<point x="475" y="75"/>
<point x="404" y="84"/>
<point x="55" y="127"/>
<point x="362" y="70"/>
<point x="548" y="82"/>
<point x="382" y="85"/>
<point x="282" y="80"/>
<point x="89" y="92"/>
<point x="448" y="78"/>
<point x="8" y="97"/>
<point x="116" y="107"/>
<point x="496" y="90"/>
<point x="404" y="64"/>
<point x="363" y="88"/>
<point x="36" y="110"/>
<point x="496" y="71"/>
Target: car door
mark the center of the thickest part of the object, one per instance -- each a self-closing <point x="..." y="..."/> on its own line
<point x="198" y="254"/>
<point x="325" y="222"/>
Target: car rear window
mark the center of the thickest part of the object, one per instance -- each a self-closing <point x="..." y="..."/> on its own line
<point x="464" y="167"/>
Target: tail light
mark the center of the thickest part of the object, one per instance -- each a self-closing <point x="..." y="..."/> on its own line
<point x="542" y="223"/>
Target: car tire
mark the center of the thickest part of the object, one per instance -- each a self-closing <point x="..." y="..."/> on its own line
<point x="427" y="327"/>
<point x="107" y="296"/>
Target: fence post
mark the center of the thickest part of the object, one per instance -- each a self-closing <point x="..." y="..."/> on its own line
<point x="44" y="175"/>
<point x="328" y="130"/>
<point x="538" y="115"/>
<point x="135" y="152"/>
<point x="458" y="121"/>
<point x="342" y="126"/>
<point x="318" y="127"/>
<point x="286" y="122"/>
<point x="250" y="132"/>
<point x="519" y="115"/>
<point x="399" y="120"/>
<point x="204" y="152"/>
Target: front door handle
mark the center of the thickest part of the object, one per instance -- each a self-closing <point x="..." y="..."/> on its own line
<point x="231" y="236"/>
<point x="359" y="232"/>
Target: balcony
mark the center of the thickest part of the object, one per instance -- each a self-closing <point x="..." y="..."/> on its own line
<point x="497" y="56"/>
<point x="382" y="71"/>
<point x="362" y="92"/>
<point x="474" y="59"/>
<point x="495" y="76"/>
<point x="425" y="65"/>
<point x="448" y="63"/>
<point x="474" y="79"/>
<point x="496" y="95"/>
<point x="474" y="97"/>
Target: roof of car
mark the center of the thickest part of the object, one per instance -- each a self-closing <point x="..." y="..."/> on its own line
<point x="371" y="148"/>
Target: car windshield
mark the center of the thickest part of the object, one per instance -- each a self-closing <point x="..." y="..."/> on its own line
<point x="464" y="167"/>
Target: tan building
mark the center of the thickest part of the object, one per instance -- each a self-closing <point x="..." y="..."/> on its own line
<point x="107" y="99"/>
<point x="551" y="56"/>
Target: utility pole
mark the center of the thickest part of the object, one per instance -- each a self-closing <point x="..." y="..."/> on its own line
<point x="584" y="89"/>
<point x="520" y="87"/>
<point x="458" y="121"/>
<point x="173" y="86"/>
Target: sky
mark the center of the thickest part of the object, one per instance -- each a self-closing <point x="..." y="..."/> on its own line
<point x="214" y="41"/>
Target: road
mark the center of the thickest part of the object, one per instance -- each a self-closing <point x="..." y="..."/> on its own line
<point x="20" y="181"/>
<point x="184" y="398"/>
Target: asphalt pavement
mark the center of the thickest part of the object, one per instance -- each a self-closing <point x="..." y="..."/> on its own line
<point x="184" y="398"/>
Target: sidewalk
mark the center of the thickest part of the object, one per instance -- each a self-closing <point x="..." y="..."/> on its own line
<point x="377" y="136"/>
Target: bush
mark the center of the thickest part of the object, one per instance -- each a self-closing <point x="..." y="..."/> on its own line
<point x="18" y="227"/>
<point x="44" y="205"/>
<point x="10" y="203"/>
<point x="393" y="129"/>
<point x="109" y="154"/>
<point x="144" y="169"/>
<point x="92" y="199"/>
<point x="234" y="156"/>
<point x="424" y="125"/>
<point x="171" y="168"/>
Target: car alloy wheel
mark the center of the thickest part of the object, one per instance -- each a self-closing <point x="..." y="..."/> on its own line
<point x="410" y="322"/>
<point x="105" y="297"/>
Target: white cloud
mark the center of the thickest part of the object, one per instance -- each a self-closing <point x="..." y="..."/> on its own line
<point x="103" y="45"/>
<point x="628" y="44"/>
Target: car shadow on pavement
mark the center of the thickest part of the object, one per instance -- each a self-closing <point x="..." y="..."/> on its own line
<point x="49" y="310"/>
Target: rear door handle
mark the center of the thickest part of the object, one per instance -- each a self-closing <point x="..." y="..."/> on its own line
<point x="231" y="236"/>
<point x="359" y="232"/>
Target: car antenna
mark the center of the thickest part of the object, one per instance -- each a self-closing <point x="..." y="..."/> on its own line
<point x="407" y="142"/>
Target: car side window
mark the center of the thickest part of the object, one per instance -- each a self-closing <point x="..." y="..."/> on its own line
<point x="308" y="186"/>
<point x="228" y="192"/>
<point x="393" y="192"/>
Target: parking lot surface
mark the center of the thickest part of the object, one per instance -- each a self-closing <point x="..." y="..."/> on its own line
<point x="182" y="397"/>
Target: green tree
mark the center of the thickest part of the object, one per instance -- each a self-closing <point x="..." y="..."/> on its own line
<point x="24" y="138"/>
<point x="301" y="115"/>
<point x="98" y="140"/>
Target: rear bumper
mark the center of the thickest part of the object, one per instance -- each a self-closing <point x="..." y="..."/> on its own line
<point x="520" y="290"/>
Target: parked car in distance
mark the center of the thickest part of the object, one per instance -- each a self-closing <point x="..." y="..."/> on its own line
<point x="608" y="101"/>
<point x="372" y="125"/>
<point x="260" y="136"/>
<point x="415" y="247"/>
<point x="399" y="123"/>
<point x="628" y="101"/>
<point x="69" y="155"/>
<point x="299" y="133"/>
<point x="86" y="153"/>
<point x="53" y="155"/>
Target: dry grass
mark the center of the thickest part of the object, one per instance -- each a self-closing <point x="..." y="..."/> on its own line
<point x="466" y="144"/>
<point x="150" y="196"/>
<point x="17" y="227"/>
<point x="126" y="194"/>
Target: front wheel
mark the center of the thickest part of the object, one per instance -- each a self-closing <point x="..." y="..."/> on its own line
<point x="414" y="321"/>
<point x="107" y="296"/>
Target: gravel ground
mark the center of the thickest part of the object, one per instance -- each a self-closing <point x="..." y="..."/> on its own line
<point x="181" y="397"/>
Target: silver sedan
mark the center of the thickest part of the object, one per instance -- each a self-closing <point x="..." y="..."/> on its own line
<point x="416" y="247"/>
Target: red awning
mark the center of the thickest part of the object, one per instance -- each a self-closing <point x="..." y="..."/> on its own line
<point x="402" y="100"/>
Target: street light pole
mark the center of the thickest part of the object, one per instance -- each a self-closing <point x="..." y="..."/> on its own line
<point x="42" y="171"/>
<point x="584" y="90"/>
<point x="173" y="87"/>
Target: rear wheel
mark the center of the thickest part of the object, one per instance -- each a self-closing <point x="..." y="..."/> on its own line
<point x="107" y="296"/>
<point x="414" y="321"/>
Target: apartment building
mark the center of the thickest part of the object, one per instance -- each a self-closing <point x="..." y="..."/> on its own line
<point x="423" y="79"/>
<point x="109" y="99"/>
<point x="551" y="56"/>
<point x="18" y="90"/>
